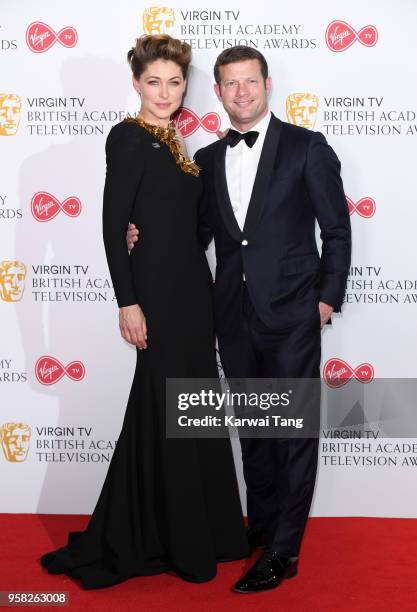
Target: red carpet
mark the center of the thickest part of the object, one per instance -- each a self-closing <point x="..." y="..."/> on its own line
<point x="355" y="564"/>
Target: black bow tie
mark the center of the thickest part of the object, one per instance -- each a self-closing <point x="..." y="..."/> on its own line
<point x="234" y="137"/>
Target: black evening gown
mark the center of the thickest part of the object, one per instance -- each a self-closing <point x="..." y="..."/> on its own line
<point x="166" y="504"/>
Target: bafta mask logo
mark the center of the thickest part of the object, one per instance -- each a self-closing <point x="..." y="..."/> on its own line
<point x="15" y="440"/>
<point x="12" y="280"/>
<point x="302" y="109"/>
<point x="10" y="107"/>
<point x="158" y="20"/>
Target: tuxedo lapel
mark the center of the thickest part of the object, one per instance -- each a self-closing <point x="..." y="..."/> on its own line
<point x="263" y="175"/>
<point x="222" y="191"/>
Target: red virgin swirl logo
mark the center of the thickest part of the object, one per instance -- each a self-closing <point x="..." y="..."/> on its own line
<point x="337" y="373"/>
<point x="49" y="370"/>
<point x="365" y="207"/>
<point x="40" y="37"/>
<point x="45" y="206"/>
<point x="340" y="36"/>
<point x="187" y="122"/>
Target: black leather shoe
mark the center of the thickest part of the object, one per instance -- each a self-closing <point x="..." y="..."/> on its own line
<point x="256" y="538"/>
<point x="267" y="573"/>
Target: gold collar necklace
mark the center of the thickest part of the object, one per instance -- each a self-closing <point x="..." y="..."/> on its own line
<point x="169" y="137"/>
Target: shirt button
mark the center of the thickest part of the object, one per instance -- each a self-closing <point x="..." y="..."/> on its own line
<point x="244" y="242"/>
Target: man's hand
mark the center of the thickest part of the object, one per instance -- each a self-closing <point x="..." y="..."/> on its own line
<point x="325" y="313"/>
<point x="131" y="236"/>
<point x="132" y="325"/>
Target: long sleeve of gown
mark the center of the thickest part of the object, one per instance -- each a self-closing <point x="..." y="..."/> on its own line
<point x="125" y="164"/>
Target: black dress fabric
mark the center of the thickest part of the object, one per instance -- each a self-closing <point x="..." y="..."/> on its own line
<point x="166" y="504"/>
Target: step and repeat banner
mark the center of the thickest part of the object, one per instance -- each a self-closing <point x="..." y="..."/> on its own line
<point x="346" y="70"/>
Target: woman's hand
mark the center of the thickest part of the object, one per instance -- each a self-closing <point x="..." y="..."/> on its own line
<point x="183" y="146"/>
<point x="131" y="236"/>
<point x="221" y="135"/>
<point x="132" y="325"/>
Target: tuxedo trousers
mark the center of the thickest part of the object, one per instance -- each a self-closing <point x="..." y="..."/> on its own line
<point x="280" y="473"/>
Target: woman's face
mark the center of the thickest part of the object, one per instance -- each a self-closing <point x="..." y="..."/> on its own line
<point x="162" y="88"/>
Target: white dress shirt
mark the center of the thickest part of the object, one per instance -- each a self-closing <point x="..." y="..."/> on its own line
<point x="241" y="167"/>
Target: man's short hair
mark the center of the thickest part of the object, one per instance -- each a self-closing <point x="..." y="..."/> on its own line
<point x="239" y="53"/>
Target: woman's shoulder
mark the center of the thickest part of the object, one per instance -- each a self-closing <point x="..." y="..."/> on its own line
<point x="127" y="130"/>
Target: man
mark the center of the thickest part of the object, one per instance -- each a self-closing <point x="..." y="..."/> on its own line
<point x="265" y="184"/>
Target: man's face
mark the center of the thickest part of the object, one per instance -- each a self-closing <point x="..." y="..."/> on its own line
<point x="12" y="282"/>
<point x="243" y="92"/>
<point x="302" y="110"/>
<point x="10" y="106"/>
<point x="16" y="444"/>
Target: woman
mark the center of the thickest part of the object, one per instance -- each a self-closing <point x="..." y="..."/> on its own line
<point x="166" y="504"/>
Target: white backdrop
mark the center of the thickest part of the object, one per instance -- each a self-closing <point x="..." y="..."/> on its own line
<point x="64" y="82"/>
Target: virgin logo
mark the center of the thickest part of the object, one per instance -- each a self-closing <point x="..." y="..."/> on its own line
<point x="187" y="122"/>
<point x="337" y="373"/>
<point x="40" y="37"/>
<point x="49" y="370"/>
<point x="365" y="207"/>
<point x="340" y="36"/>
<point x="45" y="206"/>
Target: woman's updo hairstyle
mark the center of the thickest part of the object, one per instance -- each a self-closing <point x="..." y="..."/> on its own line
<point x="158" y="46"/>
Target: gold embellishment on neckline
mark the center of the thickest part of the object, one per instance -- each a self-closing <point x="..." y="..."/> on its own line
<point x="169" y="137"/>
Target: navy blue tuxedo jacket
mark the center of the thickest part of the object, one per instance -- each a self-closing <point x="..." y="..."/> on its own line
<point x="297" y="181"/>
